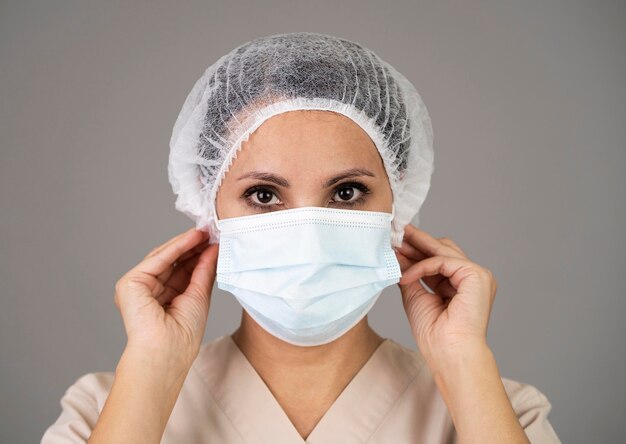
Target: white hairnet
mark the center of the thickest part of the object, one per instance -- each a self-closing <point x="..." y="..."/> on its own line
<point x="286" y="72"/>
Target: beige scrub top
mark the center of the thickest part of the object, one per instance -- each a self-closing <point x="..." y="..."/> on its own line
<point x="392" y="399"/>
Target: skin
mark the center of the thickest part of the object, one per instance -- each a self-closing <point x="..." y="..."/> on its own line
<point x="164" y="300"/>
<point x="327" y="144"/>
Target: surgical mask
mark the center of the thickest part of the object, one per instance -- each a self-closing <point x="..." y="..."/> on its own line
<point x="307" y="275"/>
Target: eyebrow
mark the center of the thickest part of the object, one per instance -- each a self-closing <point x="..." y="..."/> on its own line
<point x="281" y="181"/>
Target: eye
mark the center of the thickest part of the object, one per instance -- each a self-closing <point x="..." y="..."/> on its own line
<point x="347" y="196"/>
<point x="260" y="197"/>
<point x="265" y="197"/>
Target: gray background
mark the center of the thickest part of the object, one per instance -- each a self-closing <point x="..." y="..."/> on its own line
<point x="528" y="105"/>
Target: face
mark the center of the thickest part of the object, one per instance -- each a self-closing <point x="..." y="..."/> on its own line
<point x="305" y="158"/>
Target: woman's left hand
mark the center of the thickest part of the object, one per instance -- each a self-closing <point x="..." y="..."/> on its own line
<point x="456" y="315"/>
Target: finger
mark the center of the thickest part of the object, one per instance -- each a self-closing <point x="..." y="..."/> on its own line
<point x="165" y="276"/>
<point x="141" y="281"/>
<point x="444" y="289"/>
<point x="195" y="250"/>
<point x="158" y="248"/>
<point x="410" y="251"/>
<point x="427" y="244"/>
<point x="455" y="269"/>
<point x="179" y="280"/>
<point x="201" y="283"/>
<point x="449" y="242"/>
<point x="408" y="255"/>
<point x="203" y="273"/>
<point x="158" y="262"/>
<point x="175" y="239"/>
<point x="404" y="261"/>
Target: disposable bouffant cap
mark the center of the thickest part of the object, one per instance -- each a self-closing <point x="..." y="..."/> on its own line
<point x="299" y="71"/>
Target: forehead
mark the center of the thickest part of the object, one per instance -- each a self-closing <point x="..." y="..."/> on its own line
<point x="309" y="137"/>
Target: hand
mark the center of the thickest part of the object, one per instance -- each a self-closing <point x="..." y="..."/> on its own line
<point x="164" y="300"/>
<point x="456" y="315"/>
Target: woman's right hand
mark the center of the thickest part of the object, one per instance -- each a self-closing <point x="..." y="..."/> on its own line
<point x="164" y="300"/>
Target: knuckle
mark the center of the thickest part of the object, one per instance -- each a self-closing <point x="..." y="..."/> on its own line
<point x="450" y="243"/>
<point x="481" y="272"/>
<point x="120" y="285"/>
<point x="488" y="274"/>
<point x="128" y="283"/>
<point x="119" y="290"/>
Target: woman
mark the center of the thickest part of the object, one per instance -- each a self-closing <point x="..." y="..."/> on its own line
<point x="303" y="158"/>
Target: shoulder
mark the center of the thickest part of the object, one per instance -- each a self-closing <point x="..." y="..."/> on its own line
<point x="90" y="389"/>
<point x="81" y="405"/>
<point x="521" y="393"/>
<point x="426" y="407"/>
<point x="83" y="401"/>
<point x="532" y="408"/>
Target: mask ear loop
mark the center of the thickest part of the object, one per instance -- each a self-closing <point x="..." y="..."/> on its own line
<point x="217" y="222"/>
<point x="393" y="213"/>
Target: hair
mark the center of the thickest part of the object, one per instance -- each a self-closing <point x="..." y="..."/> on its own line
<point x="300" y="75"/>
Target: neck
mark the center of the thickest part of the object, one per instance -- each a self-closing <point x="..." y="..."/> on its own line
<point x="263" y="349"/>
<point x="312" y="375"/>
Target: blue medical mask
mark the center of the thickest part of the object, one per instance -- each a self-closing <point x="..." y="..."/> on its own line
<point x="307" y="275"/>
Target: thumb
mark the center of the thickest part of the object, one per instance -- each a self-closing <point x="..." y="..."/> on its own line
<point x="195" y="301"/>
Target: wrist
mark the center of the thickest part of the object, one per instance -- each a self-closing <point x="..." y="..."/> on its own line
<point x="470" y="384"/>
<point x="144" y="392"/>
<point x="157" y="379"/>
<point x="165" y="371"/>
<point x="461" y="373"/>
<point x="442" y="357"/>
<point x="448" y="364"/>
<point x="157" y="359"/>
